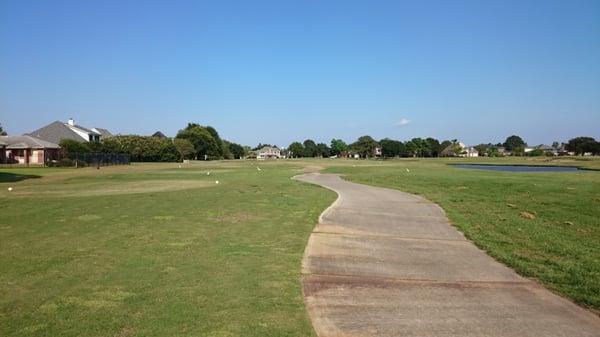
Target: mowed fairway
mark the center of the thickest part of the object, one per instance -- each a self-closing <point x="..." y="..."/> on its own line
<point x="557" y="241"/>
<point x="155" y="250"/>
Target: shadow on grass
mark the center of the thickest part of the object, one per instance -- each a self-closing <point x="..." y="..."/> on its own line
<point x="8" y="177"/>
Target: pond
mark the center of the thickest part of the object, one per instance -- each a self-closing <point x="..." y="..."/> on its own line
<point x="519" y="168"/>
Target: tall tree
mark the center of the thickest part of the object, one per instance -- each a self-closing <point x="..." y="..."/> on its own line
<point x="513" y="142"/>
<point x="296" y="150"/>
<point x="482" y="148"/>
<point x="2" y="132"/>
<point x="184" y="147"/>
<point x="237" y="150"/>
<point x="411" y="148"/>
<point x="365" y="146"/>
<point x="204" y="143"/>
<point x="391" y="148"/>
<point x="338" y="146"/>
<point x="310" y="148"/>
<point x="581" y="145"/>
<point x="324" y="150"/>
<point x="422" y="147"/>
<point x="434" y="147"/>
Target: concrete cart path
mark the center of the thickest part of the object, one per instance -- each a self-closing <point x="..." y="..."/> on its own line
<point x="386" y="263"/>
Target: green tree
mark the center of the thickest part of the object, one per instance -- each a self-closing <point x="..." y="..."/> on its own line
<point x="434" y="147"/>
<point x="391" y="148"/>
<point x="581" y="145"/>
<point x="205" y="145"/>
<point x="261" y="145"/>
<point x="411" y="148"/>
<point x="324" y="150"/>
<point x="143" y="148"/>
<point x="338" y="146"/>
<point x="2" y="132"/>
<point x="71" y="148"/>
<point x="184" y="147"/>
<point x="310" y="148"/>
<point x="513" y="142"/>
<point x="296" y="150"/>
<point x="536" y="153"/>
<point x="482" y="149"/>
<point x="422" y="147"/>
<point x="518" y="151"/>
<point x="365" y="146"/>
<point x="237" y="150"/>
<point x="492" y="151"/>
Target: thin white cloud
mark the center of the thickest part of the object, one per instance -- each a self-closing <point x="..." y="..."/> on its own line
<point x="402" y="122"/>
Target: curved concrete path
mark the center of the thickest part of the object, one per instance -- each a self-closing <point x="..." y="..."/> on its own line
<point x="386" y="263"/>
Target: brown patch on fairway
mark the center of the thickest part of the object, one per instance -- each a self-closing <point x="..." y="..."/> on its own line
<point x="527" y="215"/>
<point x="105" y="188"/>
<point x="312" y="168"/>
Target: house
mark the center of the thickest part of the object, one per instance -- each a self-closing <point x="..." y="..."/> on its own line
<point x="502" y="151"/>
<point x="28" y="150"/>
<point x="547" y="149"/>
<point x="377" y="151"/>
<point x="268" y="152"/>
<point x="57" y="131"/>
<point x="459" y="149"/>
<point x="469" y="151"/>
<point x="159" y="134"/>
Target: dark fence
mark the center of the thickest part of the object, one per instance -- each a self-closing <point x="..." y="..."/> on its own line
<point x="92" y="159"/>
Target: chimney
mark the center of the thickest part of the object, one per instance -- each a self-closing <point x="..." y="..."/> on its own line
<point x="71" y="122"/>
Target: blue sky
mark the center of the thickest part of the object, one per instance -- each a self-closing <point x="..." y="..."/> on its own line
<point x="279" y="71"/>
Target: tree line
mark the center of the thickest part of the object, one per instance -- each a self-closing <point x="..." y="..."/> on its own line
<point x="193" y="142"/>
<point x="200" y="142"/>
<point x="366" y="147"/>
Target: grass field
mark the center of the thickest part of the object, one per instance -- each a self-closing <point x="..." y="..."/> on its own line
<point x="154" y="250"/>
<point x="157" y="250"/>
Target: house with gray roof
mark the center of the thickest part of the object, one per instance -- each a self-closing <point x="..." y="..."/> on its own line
<point x="268" y="152"/>
<point x="27" y="150"/>
<point x="57" y="131"/>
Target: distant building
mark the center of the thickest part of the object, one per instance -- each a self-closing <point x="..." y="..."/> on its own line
<point x="159" y="134"/>
<point x="27" y="150"/>
<point x="57" y="131"/>
<point x="377" y="151"/>
<point x="547" y="149"/>
<point x="459" y="150"/>
<point x="268" y="152"/>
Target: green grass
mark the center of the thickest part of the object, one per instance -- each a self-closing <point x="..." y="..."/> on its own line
<point x="212" y="260"/>
<point x="157" y="250"/>
<point x="560" y="247"/>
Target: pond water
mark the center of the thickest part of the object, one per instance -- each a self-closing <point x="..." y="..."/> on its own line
<point x="518" y="168"/>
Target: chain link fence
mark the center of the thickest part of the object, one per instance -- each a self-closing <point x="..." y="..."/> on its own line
<point x="91" y="159"/>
